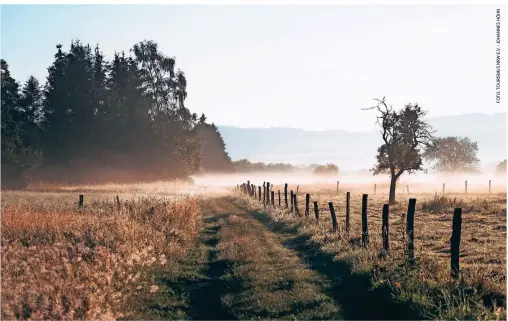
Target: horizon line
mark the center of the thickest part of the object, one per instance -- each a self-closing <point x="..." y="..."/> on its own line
<point x="359" y="131"/>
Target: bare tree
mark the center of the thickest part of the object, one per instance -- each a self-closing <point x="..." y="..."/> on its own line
<point x="404" y="134"/>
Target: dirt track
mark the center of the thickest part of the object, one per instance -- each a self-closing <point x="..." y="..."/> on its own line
<point x="247" y="266"/>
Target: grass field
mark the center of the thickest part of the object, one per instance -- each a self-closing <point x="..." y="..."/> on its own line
<point x="481" y="291"/>
<point x="179" y="251"/>
<point x="61" y="261"/>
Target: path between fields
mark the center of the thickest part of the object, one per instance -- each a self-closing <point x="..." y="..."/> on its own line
<point x="245" y="266"/>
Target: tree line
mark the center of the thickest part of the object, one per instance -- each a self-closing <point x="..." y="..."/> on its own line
<point x="244" y="165"/>
<point x="96" y="120"/>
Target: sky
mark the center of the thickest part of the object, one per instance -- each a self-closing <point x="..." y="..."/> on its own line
<point x="310" y="67"/>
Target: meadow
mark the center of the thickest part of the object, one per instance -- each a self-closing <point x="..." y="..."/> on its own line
<point x="480" y="291"/>
<point x="173" y="250"/>
<point x="61" y="261"/>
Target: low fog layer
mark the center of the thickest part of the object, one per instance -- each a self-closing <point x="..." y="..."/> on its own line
<point x="419" y="182"/>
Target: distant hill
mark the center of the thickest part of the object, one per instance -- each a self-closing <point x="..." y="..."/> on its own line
<point x="356" y="150"/>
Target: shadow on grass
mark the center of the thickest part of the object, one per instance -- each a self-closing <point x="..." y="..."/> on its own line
<point x="206" y="294"/>
<point x="207" y="287"/>
<point x="353" y="292"/>
<point x="290" y="313"/>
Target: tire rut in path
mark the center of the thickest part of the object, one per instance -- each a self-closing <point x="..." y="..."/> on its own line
<point x="206" y="293"/>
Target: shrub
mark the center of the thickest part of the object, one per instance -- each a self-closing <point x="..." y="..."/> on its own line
<point x="328" y="169"/>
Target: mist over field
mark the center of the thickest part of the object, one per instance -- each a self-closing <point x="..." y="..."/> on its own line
<point x="126" y="150"/>
<point x="419" y="182"/>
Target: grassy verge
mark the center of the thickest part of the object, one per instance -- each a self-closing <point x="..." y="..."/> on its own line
<point x="64" y="262"/>
<point x="192" y="287"/>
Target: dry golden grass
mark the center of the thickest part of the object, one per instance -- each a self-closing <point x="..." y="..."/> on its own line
<point x="158" y="188"/>
<point x="480" y="293"/>
<point x="64" y="262"/>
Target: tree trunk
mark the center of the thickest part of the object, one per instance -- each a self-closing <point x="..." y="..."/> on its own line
<point x="393" y="184"/>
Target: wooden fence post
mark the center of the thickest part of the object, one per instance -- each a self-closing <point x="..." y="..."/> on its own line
<point x="279" y="197"/>
<point x="297" y="188"/>
<point x="334" y="218"/>
<point x="307" y="201"/>
<point x="273" y="199"/>
<point x="268" y="193"/>
<point x="455" y="242"/>
<point x="316" y="211"/>
<point x="365" y="231"/>
<point x="490" y="184"/>
<point x="465" y="186"/>
<point x="259" y="193"/>
<point x="410" y="230"/>
<point x="296" y="204"/>
<point x="264" y="192"/>
<point x="81" y="200"/>
<point x="385" y="232"/>
<point x="292" y="200"/>
<point x="249" y="190"/>
<point x="286" y="195"/>
<point x="118" y="202"/>
<point x="348" y="207"/>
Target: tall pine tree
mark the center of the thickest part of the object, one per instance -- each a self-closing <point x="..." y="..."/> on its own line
<point x="213" y="155"/>
<point x="31" y="99"/>
<point x="20" y="157"/>
<point x="56" y="111"/>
